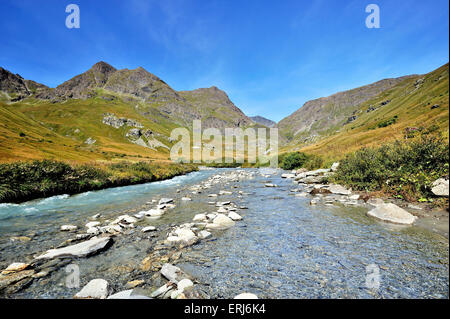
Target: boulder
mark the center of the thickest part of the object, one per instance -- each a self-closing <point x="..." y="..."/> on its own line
<point x="440" y="187"/>
<point x="95" y="289"/>
<point x="184" y="283"/>
<point x="199" y="217"/>
<point x="82" y="249"/>
<point x="338" y="189"/>
<point x="204" y="234"/>
<point x="393" y="214"/>
<point x="220" y="222"/>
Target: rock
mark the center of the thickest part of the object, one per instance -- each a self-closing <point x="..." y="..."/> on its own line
<point x="154" y="212"/>
<point x="270" y="185"/>
<point x="184" y="283"/>
<point x="82" y="249"/>
<point x="222" y="210"/>
<point x="93" y="231"/>
<point x="440" y="187"/>
<point x="246" y="296"/>
<point x="90" y="141"/>
<point x="172" y="273"/>
<point x="92" y="224"/>
<point x="220" y="222"/>
<point x="316" y="191"/>
<point x="15" y="267"/>
<point x="148" y="228"/>
<point x="68" y="227"/>
<point x="204" y="234"/>
<point x="124" y="219"/>
<point x="375" y="201"/>
<point x="165" y="201"/>
<point x="225" y="193"/>
<point x="127" y="294"/>
<point x="213" y="195"/>
<point x="134" y="284"/>
<point x="392" y="213"/>
<point x="111" y="229"/>
<point x="338" y="189"/>
<point x="95" y="289"/>
<point x="162" y="290"/>
<point x="287" y="175"/>
<point x="234" y="216"/>
<point x="15" y="281"/>
<point x="334" y="167"/>
<point x="94" y="217"/>
<point x="186" y="199"/>
<point x="22" y="239"/>
<point x="199" y="217"/>
<point x="354" y="197"/>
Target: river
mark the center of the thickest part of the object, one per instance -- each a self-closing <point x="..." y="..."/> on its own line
<point x="283" y="247"/>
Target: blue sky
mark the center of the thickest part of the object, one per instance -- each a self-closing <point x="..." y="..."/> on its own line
<point x="269" y="56"/>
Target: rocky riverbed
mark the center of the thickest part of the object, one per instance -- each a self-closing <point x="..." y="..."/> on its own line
<point x="220" y="233"/>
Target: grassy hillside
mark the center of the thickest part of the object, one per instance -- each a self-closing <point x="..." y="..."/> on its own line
<point x="417" y="103"/>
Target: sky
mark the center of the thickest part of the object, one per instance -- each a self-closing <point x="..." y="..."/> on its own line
<point x="269" y="56"/>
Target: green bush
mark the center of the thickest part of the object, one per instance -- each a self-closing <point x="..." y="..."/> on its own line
<point x="293" y="160"/>
<point x="404" y="169"/>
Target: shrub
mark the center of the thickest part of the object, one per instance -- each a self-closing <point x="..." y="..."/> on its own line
<point x="293" y="160"/>
<point x="403" y="169"/>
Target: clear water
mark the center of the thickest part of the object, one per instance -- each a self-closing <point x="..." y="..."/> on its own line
<point x="283" y="248"/>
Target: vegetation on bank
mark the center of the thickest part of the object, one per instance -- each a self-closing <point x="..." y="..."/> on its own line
<point x="295" y="160"/>
<point x="21" y="181"/>
<point x="403" y="169"/>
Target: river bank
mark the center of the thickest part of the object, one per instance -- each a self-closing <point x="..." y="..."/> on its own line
<point x="280" y="247"/>
<point x="24" y="181"/>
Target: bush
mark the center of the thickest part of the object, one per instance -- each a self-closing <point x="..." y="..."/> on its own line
<point x="293" y="160"/>
<point x="404" y="169"/>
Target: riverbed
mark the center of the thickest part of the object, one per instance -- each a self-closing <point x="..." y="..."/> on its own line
<point x="282" y="248"/>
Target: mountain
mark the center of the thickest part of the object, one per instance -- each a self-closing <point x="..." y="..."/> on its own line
<point x="327" y="114"/>
<point x="263" y="121"/>
<point x="371" y="115"/>
<point x="103" y="113"/>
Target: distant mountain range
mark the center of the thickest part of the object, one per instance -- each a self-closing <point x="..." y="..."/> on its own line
<point x="263" y="121"/>
<point x="106" y="113"/>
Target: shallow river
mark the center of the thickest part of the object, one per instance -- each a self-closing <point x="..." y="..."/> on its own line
<point x="283" y="247"/>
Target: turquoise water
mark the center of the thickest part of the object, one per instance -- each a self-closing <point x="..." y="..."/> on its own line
<point x="283" y="247"/>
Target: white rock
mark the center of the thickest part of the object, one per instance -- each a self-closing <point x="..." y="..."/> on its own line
<point x="221" y="221"/>
<point x="127" y="294"/>
<point x="95" y="289"/>
<point x="111" y="229"/>
<point x="82" y="249"/>
<point x="440" y="187"/>
<point x="204" y="234"/>
<point x="186" y="199"/>
<point x="338" y="189"/>
<point x="96" y="216"/>
<point x="392" y="213"/>
<point x="335" y="166"/>
<point x="171" y="272"/>
<point x="68" y="227"/>
<point x="165" y="201"/>
<point x="148" y="228"/>
<point x="92" y="224"/>
<point x="234" y="216"/>
<point x="270" y="185"/>
<point x="354" y="197"/>
<point x="287" y="175"/>
<point x="222" y="210"/>
<point x="93" y="231"/>
<point x="246" y="296"/>
<point x="184" y="283"/>
<point x="124" y="219"/>
<point x="154" y="212"/>
<point x="199" y="217"/>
